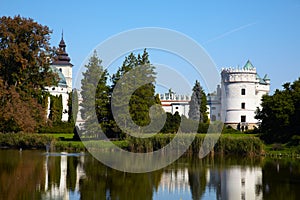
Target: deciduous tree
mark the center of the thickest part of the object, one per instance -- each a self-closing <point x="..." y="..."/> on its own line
<point x="25" y="56"/>
<point x="280" y="114"/>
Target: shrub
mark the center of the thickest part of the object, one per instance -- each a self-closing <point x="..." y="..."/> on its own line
<point x="21" y="140"/>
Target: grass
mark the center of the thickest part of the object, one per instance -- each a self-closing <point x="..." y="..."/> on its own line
<point x="21" y="140"/>
<point x="279" y="150"/>
<point x="227" y="144"/>
<point x="75" y="146"/>
<point x="60" y="136"/>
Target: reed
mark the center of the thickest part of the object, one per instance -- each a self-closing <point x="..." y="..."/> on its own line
<point x="242" y="145"/>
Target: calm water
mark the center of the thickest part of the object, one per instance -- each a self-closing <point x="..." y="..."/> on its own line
<point x="34" y="175"/>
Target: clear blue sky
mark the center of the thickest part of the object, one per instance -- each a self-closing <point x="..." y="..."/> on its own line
<point x="266" y="32"/>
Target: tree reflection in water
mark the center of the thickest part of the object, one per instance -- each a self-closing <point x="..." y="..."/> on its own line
<point x="35" y="175"/>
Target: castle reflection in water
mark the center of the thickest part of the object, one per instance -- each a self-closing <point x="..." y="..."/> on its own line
<point x="233" y="182"/>
<point x="61" y="190"/>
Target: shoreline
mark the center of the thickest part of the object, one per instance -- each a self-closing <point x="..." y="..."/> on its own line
<point x="227" y="144"/>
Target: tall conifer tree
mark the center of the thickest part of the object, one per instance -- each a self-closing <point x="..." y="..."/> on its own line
<point x="94" y="96"/>
<point x="198" y="109"/>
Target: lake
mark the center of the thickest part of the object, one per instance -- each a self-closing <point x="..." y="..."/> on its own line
<point x="32" y="174"/>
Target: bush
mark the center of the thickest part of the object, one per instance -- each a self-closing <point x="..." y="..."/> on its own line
<point x="295" y="141"/>
<point x="21" y="140"/>
<point x="230" y="130"/>
<point x="61" y="127"/>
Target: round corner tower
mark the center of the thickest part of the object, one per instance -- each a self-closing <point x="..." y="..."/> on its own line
<point x="242" y="90"/>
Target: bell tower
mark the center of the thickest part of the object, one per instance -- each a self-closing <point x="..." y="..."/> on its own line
<point x="62" y="63"/>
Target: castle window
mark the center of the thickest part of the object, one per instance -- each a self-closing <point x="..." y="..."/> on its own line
<point x="243" y="105"/>
<point x="243" y="91"/>
<point x="60" y="69"/>
<point x="243" y="118"/>
<point x="176" y="108"/>
<point x="213" y="108"/>
<point x="213" y="118"/>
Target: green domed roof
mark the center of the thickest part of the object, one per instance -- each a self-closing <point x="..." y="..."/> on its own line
<point x="62" y="80"/>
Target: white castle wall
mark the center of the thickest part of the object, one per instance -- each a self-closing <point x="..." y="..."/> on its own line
<point x="173" y="103"/>
<point x="228" y="99"/>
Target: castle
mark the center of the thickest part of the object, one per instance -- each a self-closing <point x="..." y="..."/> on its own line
<point x="172" y="103"/>
<point x="63" y="68"/>
<point x="234" y="102"/>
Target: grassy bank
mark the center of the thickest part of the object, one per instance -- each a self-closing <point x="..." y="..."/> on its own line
<point x="238" y="144"/>
<point x="282" y="150"/>
<point x="56" y="141"/>
<point x="26" y="141"/>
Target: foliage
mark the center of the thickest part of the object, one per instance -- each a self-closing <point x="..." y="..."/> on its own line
<point x="60" y="136"/>
<point x="74" y="146"/>
<point x="198" y="109"/>
<point x="172" y="123"/>
<point x="94" y="96"/>
<point x="24" y="53"/>
<point x="25" y="140"/>
<point x="280" y="114"/>
<point x="59" y="127"/>
<point x="137" y="70"/>
<point x="144" y="97"/>
<point x="24" y="72"/>
<point x="18" y="111"/>
<point x="76" y="133"/>
<point x="192" y="126"/>
<point x="226" y="144"/>
<point x="56" y="109"/>
<point x="230" y="130"/>
<point x="73" y="106"/>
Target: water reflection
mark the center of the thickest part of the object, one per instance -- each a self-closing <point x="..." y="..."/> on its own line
<point x="35" y="175"/>
<point x="70" y="172"/>
<point x="236" y="182"/>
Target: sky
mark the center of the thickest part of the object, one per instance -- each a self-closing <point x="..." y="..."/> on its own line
<point x="231" y="32"/>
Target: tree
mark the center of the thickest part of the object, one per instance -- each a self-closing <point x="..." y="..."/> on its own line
<point x="73" y="106"/>
<point x="95" y="97"/>
<point x="144" y="97"/>
<point x="17" y="113"/>
<point x="25" y="54"/>
<point x="280" y="114"/>
<point x="120" y="103"/>
<point x="203" y="107"/>
<point x="198" y="109"/>
<point x="134" y="71"/>
<point x="56" y="109"/>
<point x="172" y="123"/>
<point x="25" y="57"/>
